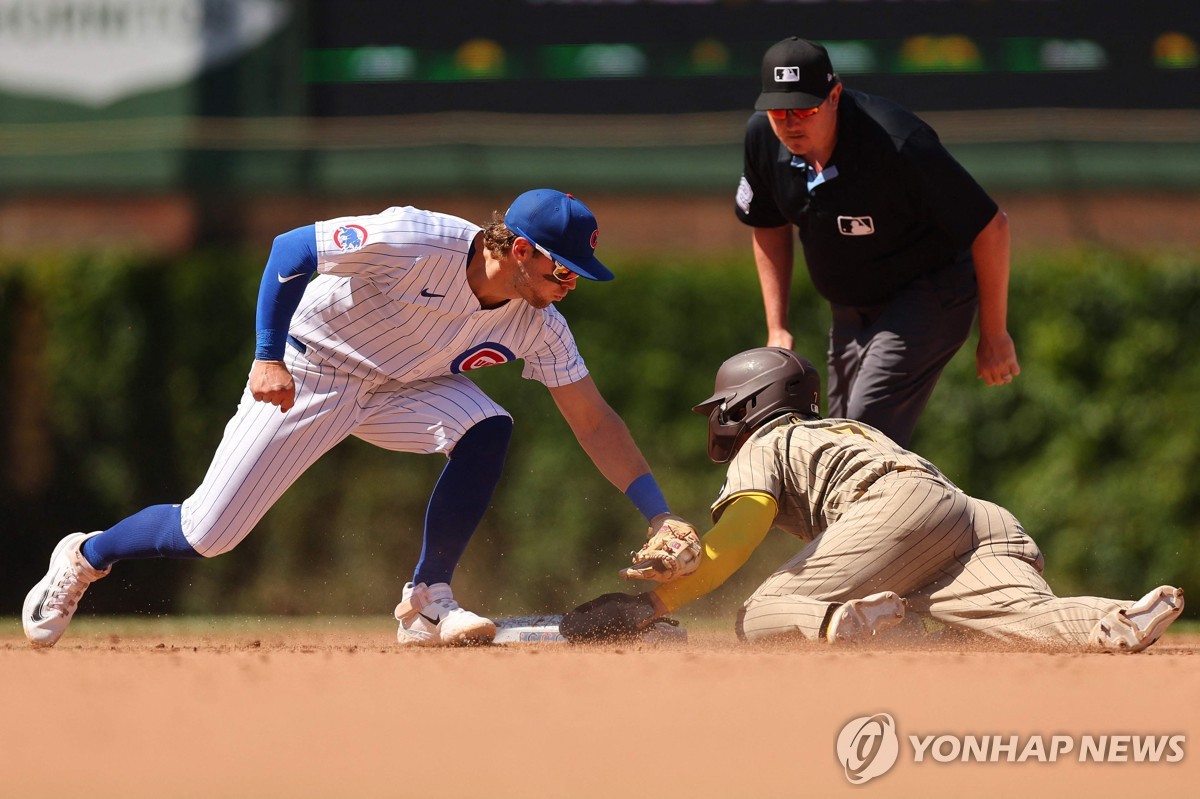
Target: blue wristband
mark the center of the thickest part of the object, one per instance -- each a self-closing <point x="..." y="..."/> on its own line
<point x="647" y="497"/>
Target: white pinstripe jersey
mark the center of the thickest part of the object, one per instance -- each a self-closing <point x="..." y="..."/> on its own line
<point x="391" y="302"/>
<point x="814" y="469"/>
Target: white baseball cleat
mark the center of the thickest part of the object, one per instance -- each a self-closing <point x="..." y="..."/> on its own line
<point x="429" y="616"/>
<point x="1136" y="627"/>
<point x="860" y="619"/>
<point x="51" y="603"/>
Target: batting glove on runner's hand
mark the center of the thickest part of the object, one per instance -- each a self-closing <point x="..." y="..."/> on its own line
<point x="673" y="551"/>
<point x="610" y="617"/>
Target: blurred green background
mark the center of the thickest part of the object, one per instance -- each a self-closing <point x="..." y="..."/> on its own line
<point x="149" y="151"/>
<point x="123" y="371"/>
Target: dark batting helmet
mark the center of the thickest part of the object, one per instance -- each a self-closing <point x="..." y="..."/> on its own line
<point x="752" y="388"/>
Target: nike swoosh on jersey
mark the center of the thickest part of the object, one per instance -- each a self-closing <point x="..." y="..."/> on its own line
<point x="283" y="279"/>
<point x="428" y="293"/>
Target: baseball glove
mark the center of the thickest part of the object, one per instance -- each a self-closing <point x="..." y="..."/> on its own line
<point x="609" y="617"/>
<point x="673" y="551"/>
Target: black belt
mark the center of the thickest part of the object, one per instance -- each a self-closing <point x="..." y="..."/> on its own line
<point x="297" y="343"/>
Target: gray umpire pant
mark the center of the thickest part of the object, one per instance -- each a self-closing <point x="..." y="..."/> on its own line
<point x="885" y="360"/>
<point x="962" y="561"/>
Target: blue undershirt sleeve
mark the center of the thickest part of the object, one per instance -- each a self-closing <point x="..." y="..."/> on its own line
<point x="293" y="261"/>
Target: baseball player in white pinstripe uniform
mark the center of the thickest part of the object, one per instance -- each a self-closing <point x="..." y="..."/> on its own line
<point x="367" y="327"/>
<point x="884" y="530"/>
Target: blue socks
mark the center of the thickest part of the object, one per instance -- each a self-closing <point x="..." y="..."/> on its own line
<point x="155" y="532"/>
<point x="461" y="497"/>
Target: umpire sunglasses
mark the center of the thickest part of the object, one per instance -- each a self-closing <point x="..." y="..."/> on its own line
<point x="780" y="114"/>
<point x="560" y="272"/>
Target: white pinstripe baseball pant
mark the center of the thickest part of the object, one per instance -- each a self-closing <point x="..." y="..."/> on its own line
<point x="264" y="451"/>
<point x="957" y="559"/>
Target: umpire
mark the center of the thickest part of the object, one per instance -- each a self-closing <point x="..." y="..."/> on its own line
<point x="897" y="236"/>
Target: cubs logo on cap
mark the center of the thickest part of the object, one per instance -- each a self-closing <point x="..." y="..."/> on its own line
<point x="561" y="224"/>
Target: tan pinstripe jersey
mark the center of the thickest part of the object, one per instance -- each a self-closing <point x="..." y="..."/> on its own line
<point x="814" y="469"/>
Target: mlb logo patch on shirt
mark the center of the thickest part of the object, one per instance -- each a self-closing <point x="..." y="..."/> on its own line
<point x="856" y="225"/>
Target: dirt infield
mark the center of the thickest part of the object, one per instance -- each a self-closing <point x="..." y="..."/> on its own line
<point x="336" y="709"/>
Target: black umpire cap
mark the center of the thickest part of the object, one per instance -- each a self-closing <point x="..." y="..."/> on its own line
<point x="796" y="73"/>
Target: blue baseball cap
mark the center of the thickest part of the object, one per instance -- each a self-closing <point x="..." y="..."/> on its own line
<point x="561" y="224"/>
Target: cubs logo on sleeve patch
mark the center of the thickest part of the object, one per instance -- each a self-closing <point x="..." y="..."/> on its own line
<point x="348" y="238"/>
<point x="856" y="225"/>
<point x="489" y="353"/>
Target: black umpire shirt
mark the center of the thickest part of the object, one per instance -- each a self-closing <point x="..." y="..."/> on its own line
<point x="892" y="204"/>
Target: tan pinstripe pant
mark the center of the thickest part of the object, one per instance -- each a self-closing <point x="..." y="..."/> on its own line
<point x="963" y="561"/>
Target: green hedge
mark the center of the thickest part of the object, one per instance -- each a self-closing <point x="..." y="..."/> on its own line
<point x="121" y="374"/>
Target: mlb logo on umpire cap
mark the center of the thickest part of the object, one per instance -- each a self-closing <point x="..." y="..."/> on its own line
<point x="796" y="73"/>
